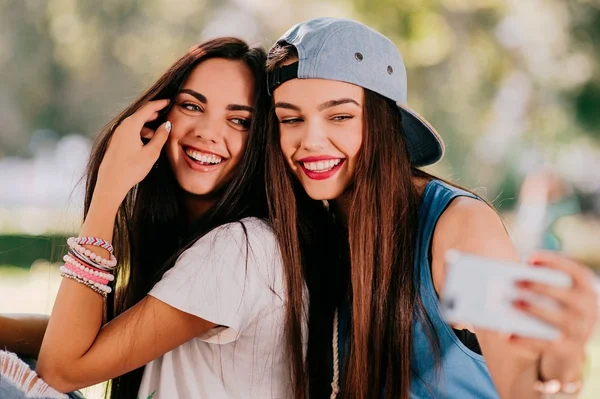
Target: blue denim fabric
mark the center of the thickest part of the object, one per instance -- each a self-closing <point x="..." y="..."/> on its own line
<point x="10" y="391"/>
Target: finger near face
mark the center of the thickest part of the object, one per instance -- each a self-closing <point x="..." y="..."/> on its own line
<point x="149" y="111"/>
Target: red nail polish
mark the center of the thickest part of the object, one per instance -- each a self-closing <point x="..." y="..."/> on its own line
<point x="524" y="284"/>
<point x="513" y="337"/>
<point x="520" y="303"/>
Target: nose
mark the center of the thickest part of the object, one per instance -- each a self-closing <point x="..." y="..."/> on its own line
<point x="210" y="130"/>
<point x="314" y="138"/>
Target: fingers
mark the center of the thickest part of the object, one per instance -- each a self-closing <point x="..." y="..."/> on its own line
<point x="551" y="316"/>
<point x="564" y="296"/>
<point x="158" y="140"/>
<point x="147" y="112"/>
<point x="581" y="275"/>
<point x="532" y="344"/>
<point x="147" y="133"/>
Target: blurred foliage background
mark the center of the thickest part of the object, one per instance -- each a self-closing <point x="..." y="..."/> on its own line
<point x="513" y="86"/>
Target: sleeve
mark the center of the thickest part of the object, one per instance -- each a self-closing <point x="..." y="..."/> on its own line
<point x="221" y="278"/>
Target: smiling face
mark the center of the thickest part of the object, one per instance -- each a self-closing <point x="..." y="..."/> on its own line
<point x="210" y="125"/>
<point x="321" y="131"/>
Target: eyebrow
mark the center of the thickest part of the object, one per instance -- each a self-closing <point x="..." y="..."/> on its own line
<point x="195" y="94"/>
<point x="287" y="106"/>
<point x="321" y="107"/>
<point x="334" y="103"/>
<point x="204" y="100"/>
<point x="239" y="107"/>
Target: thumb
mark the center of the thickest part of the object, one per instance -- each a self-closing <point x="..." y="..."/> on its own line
<point x="159" y="139"/>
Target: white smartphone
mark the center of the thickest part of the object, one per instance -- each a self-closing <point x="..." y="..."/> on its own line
<point x="479" y="291"/>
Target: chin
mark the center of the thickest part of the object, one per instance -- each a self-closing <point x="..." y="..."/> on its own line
<point x="323" y="195"/>
<point x="198" y="189"/>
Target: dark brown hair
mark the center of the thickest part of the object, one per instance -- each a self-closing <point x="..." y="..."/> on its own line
<point x="152" y="227"/>
<point x="372" y="262"/>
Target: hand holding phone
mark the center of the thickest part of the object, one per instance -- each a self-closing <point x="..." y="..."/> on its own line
<point x="480" y="291"/>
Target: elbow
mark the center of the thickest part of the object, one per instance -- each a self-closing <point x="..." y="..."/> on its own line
<point x="57" y="376"/>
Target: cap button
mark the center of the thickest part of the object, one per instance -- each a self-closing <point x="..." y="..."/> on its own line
<point x="358" y="56"/>
<point x="390" y="69"/>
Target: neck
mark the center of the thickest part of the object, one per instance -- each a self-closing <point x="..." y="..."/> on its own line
<point x="197" y="206"/>
<point x="341" y="208"/>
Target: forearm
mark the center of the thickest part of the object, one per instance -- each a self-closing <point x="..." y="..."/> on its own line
<point x="77" y="314"/>
<point x="23" y="333"/>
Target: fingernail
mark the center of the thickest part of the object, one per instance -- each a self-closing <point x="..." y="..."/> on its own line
<point x="524" y="284"/>
<point x="168" y="126"/>
<point x="513" y="337"/>
<point x="533" y="261"/>
<point x="520" y="303"/>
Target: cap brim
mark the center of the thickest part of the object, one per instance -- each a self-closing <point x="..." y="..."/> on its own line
<point x="425" y="145"/>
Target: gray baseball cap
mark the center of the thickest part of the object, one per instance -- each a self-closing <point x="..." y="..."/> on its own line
<point x="351" y="52"/>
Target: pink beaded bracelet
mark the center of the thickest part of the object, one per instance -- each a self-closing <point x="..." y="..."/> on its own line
<point x="88" y="269"/>
<point x="72" y="271"/>
<point x="94" y="241"/>
<point x="109" y="263"/>
<point x="67" y="274"/>
<point x="87" y="261"/>
<point x="86" y="274"/>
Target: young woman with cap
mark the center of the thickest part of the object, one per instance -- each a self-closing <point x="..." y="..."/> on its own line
<point x="198" y="310"/>
<point x="372" y="257"/>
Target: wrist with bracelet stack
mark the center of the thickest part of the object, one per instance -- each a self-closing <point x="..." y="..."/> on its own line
<point x="88" y="268"/>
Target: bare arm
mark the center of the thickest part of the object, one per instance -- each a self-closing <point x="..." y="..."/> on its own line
<point x="470" y="225"/>
<point x="23" y="333"/>
<point x="77" y="351"/>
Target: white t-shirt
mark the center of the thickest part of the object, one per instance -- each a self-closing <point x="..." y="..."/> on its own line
<point x="233" y="280"/>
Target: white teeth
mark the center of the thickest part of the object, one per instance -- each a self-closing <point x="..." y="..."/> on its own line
<point x="322" y="166"/>
<point x="203" y="157"/>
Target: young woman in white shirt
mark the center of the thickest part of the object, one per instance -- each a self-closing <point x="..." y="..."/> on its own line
<point x="175" y="183"/>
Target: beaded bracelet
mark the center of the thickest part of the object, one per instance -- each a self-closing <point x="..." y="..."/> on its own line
<point x="86" y="274"/>
<point x="84" y="279"/>
<point x="109" y="263"/>
<point x="94" y="241"/>
<point x="87" y="261"/>
<point x="88" y="268"/>
<point x="79" y="280"/>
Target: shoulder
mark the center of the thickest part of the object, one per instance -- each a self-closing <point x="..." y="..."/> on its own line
<point x="470" y="225"/>
<point x="239" y="234"/>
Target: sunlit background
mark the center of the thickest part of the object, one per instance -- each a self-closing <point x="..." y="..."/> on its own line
<point x="513" y="86"/>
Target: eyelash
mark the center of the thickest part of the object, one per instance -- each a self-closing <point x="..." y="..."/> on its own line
<point x="186" y="105"/>
<point x="290" y="121"/>
<point x="341" y="118"/>
<point x="245" y="123"/>
<point x="337" y="118"/>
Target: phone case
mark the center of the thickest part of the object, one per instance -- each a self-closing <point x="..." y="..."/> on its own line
<point x="479" y="291"/>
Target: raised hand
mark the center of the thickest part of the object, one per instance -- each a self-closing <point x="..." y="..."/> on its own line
<point x="576" y="317"/>
<point x="127" y="160"/>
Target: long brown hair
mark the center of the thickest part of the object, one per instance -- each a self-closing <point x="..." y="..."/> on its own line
<point x="372" y="262"/>
<point x="152" y="229"/>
